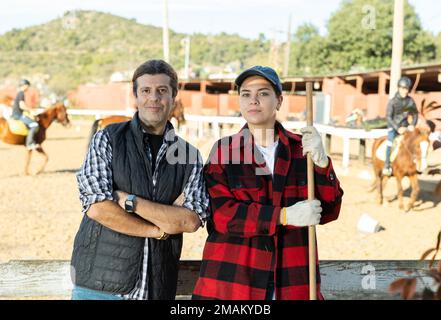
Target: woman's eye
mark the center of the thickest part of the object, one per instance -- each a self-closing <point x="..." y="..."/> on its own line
<point x="245" y="95"/>
<point x="264" y="93"/>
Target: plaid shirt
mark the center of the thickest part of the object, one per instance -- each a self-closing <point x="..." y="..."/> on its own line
<point x="95" y="185"/>
<point x="247" y="250"/>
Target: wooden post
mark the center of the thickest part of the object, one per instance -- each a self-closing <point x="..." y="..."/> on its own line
<point x="346" y="150"/>
<point x="287" y="49"/>
<point x="397" y="47"/>
<point x="311" y="196"/>
<point x="165" y="34"/>
<point x="362" y="151"/>
<point x="417" y="82"/>
<point x="328" y="143"/>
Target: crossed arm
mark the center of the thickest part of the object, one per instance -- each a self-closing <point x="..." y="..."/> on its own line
<point x="151" y="219"/>
<point x="112" y="216"/>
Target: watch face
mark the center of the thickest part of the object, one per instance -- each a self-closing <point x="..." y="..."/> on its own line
<point x="129" y="205"/>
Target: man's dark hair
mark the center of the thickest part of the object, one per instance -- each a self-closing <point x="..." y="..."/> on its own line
<point x="156" y="67"/>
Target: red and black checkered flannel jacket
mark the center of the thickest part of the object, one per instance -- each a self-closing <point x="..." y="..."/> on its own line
<point x="246" y="248"/>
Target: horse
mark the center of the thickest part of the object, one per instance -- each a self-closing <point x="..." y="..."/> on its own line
<point x="56" y="112"/>
<point x="177" y="113"/>
<point x="438" y="189"/>
<point x="6" y="100"/>
<point x="409" y="161"/>
<point x="5" y="104"/>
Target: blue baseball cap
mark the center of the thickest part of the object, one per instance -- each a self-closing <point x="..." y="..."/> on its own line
<point x="265" y="72"/>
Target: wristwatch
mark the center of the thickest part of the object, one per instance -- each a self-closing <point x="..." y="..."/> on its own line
<point x="129" y="205"/>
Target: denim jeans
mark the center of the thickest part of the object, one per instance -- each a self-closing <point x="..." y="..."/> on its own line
<point x="391" y="135"/>
<point x="80" y="293"/>
<point x="33" y="128"/>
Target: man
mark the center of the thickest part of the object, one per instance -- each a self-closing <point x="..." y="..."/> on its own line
<point x="257" y="246"/>
<point x="398" y="110"/>
<point x="17" y="113"/>
<point x="130" y="239"/>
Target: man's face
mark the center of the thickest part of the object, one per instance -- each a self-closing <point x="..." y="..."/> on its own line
<point x="154" y="99"/>
<point x="24" y="87"/>
<point x="258" y="101"/>
<point x="403" y="91"/>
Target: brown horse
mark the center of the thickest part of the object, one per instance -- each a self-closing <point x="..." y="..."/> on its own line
<point x="410" y="160"/>
<point x="5" y="104"/>
<point x="177" y="113"/>
<point x="438" y="189"/>
<point x="6" y="100"/>
<point x="56" y="112"/>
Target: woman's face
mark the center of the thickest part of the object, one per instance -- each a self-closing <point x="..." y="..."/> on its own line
<point x="258" y="102"/>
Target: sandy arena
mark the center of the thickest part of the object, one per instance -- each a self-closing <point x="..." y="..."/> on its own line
<point x="41" y="214"/>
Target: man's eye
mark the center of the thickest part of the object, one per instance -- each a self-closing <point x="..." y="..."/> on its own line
<point x="245" y="95"/>
<point x="264" y="93"/>
<point x="163" y="91"/>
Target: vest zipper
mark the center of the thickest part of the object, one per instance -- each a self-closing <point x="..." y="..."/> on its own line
<point x="156" y="172"/>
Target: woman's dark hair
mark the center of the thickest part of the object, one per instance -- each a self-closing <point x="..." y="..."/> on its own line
<point x="156" y="67"/>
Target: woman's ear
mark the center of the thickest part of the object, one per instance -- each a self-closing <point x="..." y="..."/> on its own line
<point x="279" y="105"/>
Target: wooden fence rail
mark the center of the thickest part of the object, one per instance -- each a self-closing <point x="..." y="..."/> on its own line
<point x="341" y="280"/>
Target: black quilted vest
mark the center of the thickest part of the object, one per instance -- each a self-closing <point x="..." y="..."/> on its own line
<point x="109" y="261"/>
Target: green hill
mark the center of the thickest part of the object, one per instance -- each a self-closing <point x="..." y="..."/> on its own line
<point x="89" y="46"/>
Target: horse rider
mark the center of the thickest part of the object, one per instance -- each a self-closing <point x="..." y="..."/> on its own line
<point x="17" y="113"/>
<point x="398" y="110"/>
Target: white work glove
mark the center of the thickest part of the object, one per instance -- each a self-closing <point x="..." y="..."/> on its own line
<point x="303" y="213"/>
<point x="312" y="143"/>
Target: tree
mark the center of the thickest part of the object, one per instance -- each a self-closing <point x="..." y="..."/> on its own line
<point x="360" y="36"/>
<point x="309" y="51"/>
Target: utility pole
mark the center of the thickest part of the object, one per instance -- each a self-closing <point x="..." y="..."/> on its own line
<point x="274" y="50"/>
<point x="287" y="48"/>
<point x="186" y="43"/>
<point x="397" y="47"/>
<point x="165" y="38"/>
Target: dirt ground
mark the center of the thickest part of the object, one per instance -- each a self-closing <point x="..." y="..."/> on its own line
<point x="41" y="214"/>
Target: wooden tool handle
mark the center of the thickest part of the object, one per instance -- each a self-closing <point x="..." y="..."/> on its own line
<point x="311" y="196"/>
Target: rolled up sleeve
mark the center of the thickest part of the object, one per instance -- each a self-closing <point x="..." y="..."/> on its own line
<point x="195" y="192"/>
<point x="235" y="217"/>
<point x="95" y="175"/>
<point x="328" y="191"/>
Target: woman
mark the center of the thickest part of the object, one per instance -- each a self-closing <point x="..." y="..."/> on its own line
<point x="257" y="246"/>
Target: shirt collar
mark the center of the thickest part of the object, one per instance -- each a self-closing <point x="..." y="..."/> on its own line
<point x="244" y="137"/>
<point x="169" y="132"/>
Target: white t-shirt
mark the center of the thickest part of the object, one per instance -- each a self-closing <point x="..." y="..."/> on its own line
<point x="269" y="154"/>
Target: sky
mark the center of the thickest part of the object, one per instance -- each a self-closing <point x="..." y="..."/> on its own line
<point x="248" y="18"/>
